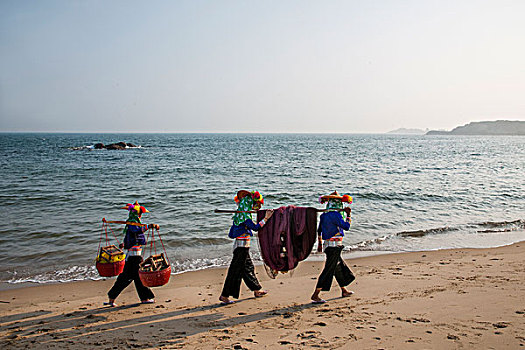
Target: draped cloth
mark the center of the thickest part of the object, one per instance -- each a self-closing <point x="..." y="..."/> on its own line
<point x="292" y="228"/>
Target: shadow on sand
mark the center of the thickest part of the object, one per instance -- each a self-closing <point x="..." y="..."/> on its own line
<point x="94" y="327"/>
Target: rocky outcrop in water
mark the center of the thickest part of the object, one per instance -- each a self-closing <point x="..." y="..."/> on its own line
<point x="499" y="127"/>
<point x="112" y="146"/>
<point x="117" y="146"/>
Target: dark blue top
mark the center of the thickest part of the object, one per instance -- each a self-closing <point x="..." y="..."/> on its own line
<point x="332" y="223"/>
<point x="245" y="227"/>
<point x="134" y="236"/>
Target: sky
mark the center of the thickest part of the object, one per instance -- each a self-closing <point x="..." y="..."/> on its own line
<point x="259" y="66"/>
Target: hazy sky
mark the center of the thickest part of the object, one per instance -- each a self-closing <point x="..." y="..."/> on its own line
<point x="259" y="66"/>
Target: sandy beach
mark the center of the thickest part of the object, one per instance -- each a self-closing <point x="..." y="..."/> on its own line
<point x="449" y="299"/>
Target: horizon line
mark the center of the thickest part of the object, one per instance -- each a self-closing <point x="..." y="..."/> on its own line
<point x="187" y="132"/>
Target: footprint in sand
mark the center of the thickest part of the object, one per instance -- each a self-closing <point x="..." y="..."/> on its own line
<point x="308" y="335"/>
<point x="501" y="324"/>
<point x="284" y="342"/>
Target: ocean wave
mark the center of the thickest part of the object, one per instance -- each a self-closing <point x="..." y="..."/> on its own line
<point x="82" y="273"/>
<point x="68" y="274"/>
<point x="421" y="233"/>
<point x="492" y="227"/>
<point x="502" y="226"/>
<point x="367" y="244"/>
<point x="198" y="264"/>
<point x="196" y="242"/>
<point x="81" y="148"/>
<point x="403" y="196"/>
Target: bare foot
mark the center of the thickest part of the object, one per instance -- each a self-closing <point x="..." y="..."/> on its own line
<point x="346" y="293"/>
<point x="225" y="300"/>
<point x="318" y="300"/>
<point x="110" y="302"/>
<point x="259" y="293"/>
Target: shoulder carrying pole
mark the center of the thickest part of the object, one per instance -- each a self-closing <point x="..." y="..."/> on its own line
<point x="122" y="222"/>
<point x="224" y="211"/>
<point x="234" y="211"/>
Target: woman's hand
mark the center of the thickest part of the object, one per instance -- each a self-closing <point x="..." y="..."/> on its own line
<point x="348" y="211"/>
<point x="268" y="214"/>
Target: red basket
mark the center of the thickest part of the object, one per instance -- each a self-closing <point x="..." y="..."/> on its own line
<point x="110" y="269"/>
<point x="155" y="278"/>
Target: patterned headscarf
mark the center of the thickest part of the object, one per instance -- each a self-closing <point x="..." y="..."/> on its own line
<point x="134" y="217"/>
<point x="334" y="204"/>
<point x="245" y="204"/>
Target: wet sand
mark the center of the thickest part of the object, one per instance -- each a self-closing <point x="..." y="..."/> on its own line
<point x="449" y="299"/>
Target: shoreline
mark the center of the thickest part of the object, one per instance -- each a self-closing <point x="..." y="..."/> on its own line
<point x="314" y="257"/>
<point x="470" y="298"/>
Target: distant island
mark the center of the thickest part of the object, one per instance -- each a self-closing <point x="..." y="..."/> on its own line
<point x="499" y="127"/>
<point x="404" y="131"/>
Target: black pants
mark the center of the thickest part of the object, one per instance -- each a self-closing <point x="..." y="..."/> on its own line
<point x="241" y="268"/>
<point x="334" y="265"/>
<point x="130" y="274"/>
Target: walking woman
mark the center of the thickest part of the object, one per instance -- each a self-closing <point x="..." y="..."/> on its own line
<point x="133" y="242"/>
<point x="241" y="266"/>
<point x="331" y="229"/>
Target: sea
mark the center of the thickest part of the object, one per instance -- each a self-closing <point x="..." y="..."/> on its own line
<point x="410" y="193"/>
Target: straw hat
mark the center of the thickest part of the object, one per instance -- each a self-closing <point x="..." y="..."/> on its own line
<point x="136" y="206"/>
<point x="335" y="195"/>
<point x="257" y="197"/>
<point x="243" y="193"/>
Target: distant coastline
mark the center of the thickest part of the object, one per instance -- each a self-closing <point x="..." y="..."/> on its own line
<point x="498" y="127"/>
<point x="405" y="131"/>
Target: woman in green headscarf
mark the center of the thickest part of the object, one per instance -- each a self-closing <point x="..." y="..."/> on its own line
<point x="241" y="266"/>
<point x="331" y="229"/>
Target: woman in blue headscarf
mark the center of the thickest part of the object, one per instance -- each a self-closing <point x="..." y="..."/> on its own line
<point x="241" y="266"/>
<point x="331" y="227"/>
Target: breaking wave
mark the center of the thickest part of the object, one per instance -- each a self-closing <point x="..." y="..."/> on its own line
<point x="484" y="227"/>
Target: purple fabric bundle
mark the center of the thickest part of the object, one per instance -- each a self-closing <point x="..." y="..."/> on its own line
<point x="288" y="237"/>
